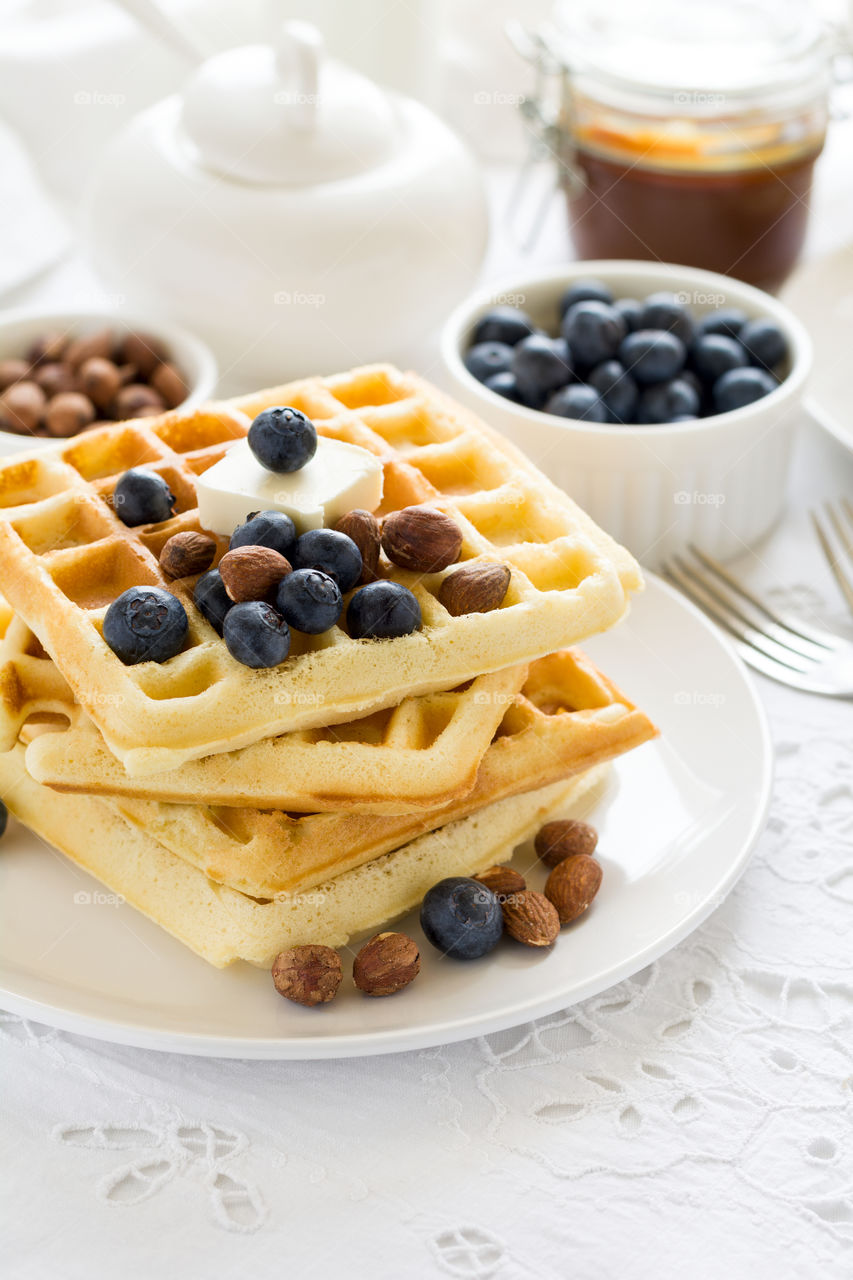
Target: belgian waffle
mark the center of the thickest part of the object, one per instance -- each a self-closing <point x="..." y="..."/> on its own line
<point x="222" y="924"/>
<point x="64" y="556"/>
<point x="423" y="753"/>
<point x="567" y="718"/>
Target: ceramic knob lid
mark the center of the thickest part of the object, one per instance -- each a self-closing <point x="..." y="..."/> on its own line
<point x="285" y="114"/>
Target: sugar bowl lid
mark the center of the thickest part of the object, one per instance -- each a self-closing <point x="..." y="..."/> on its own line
<point x="286" y="114"/>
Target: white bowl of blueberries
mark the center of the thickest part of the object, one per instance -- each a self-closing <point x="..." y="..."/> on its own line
<point x="662" y="398"/>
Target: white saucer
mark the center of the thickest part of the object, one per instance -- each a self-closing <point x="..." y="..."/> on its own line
<point x="677" y="823"/>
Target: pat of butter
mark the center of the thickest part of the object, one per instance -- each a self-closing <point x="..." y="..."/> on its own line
<point x="339" y="478"/>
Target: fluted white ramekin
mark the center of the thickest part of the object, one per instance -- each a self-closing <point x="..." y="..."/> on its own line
<point x="718" y="482"/>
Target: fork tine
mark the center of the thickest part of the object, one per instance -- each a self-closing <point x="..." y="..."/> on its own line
<point x="789" y="641"/>
<point x="844" y="584"/>
<point x="813" y="634"/>
<point x="775" y="660"/>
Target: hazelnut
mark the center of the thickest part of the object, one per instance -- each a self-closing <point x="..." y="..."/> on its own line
<point x="13" y="371"/>
<point x="69" y="413"/>
<point x="421" y="539"/>
<point x="565" y="838"/>
<point x="572" y="885"/>
<point x="100" y="380"/>
<point x="138" y="401"/>
<point x="91" y="344"/>
<point x="363" y="528"/>
<point x="142" y="350"/>
<point x="250" y="573"/>
<point x="54" y="378"/>
<point x="386" y="964"/>
<point x="187" y="553"/>
<point x="308" y="975"/>
<point x="475" y="588"/>
<point x="47" y="348"/>
<point x="22" y="407"/>
<point x="167" y="381"/>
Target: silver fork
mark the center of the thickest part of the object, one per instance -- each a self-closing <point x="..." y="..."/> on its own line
<point x="778" y="645"/>
<point x="841" y="521"/>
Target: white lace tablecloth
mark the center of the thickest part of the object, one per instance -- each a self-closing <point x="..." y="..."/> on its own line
<point x="693" y="1121"/>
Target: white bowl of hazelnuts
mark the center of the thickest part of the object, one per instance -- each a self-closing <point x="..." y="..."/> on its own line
<point x="62" y="372"/>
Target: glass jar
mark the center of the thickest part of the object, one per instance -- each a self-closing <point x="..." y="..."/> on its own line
<point x="688" y="130"/>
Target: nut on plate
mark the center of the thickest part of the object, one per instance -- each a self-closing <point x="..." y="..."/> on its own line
<point x="386" y="964"/>
<point x="475" y="588"/>
<point x="421" y="539"/>
<point x="363" y="527"/>
<point x="572" y="885"/>
<point x="564" y="838"/>
<point x="250" y="573"/>
<point x="308" y="975"/>
<point x="531" y="918"/>
<point x="187" y="553"/>
<point x="502" y="880"/>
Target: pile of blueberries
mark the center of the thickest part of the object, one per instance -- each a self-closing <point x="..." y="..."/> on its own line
<point x="148" y="624"/>
<point x="626" y="360"/>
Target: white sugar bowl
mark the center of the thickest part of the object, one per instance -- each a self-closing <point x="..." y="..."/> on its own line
<point x="289" y="211"/>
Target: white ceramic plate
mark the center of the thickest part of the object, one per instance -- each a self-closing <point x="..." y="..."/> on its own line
<point x="821" y="294"/>
<point x="677" y="823"/>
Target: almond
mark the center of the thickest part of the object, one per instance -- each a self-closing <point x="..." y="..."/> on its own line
<point x="363" y="528"/>
<point x="572" y="885"/>
<point x="530" y="918"/>
<point x="502" y="881"/>
<point x="475" y="588"/>
<point x="386" y="964"/>
<point x="421" y="539"/>
<point x="565" y="839"/>
<point x="308" y="975"/>
<point x="250" y="573"/>
<point x="187" y="553"/>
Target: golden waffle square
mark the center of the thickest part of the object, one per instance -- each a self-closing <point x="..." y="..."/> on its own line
<point x="223" y="925"/>
<point x="64" y="556"/>
<point x="567" y="718"/>
<point x="421" y="754"/>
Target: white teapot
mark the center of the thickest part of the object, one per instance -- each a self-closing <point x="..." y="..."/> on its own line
<point x="289" y="211"/>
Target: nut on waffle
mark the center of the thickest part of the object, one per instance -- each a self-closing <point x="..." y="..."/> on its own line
<point x="223" y="925"/>
<point x="567" y="717"/>
<point x="64" y="556"/>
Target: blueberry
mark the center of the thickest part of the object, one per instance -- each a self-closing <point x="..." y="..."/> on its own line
<point x="266" y="529"/>
<point x="143" y="497"/>
<point x="587" y="290"/>
<point x="577" y="401"/>
<point x="503" y="324"/>
<point x="256" y="634"/>
<point x="145" y="624"/>
<point x="764" y="343"/>
<point x="383" y="610"/>
<point x="283" y="439"/>
<point x="667" y="400"/>
<point x="462" y="918"/>
<point x="593" y="331"/>
<point x="4" y="818"/>
<point x="664" y="311"/>
<point x="740" y="387"/>
<point x="540" y="365"/>
<point x="630" y="309"/>
<point x="487" y="359"/>
<point x="728" y="321"/>
<point x="504" y="384"/>
<point x="211" y="598"/>
<point x="617" y="388"/>
<point x="330" y="552"/>
<point x="309" y="601"/>
<point x="713" y="354"/>
<point x="651" y="355"/>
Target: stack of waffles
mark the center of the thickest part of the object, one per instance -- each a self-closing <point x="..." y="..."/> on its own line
<point x="250" y="810"/>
